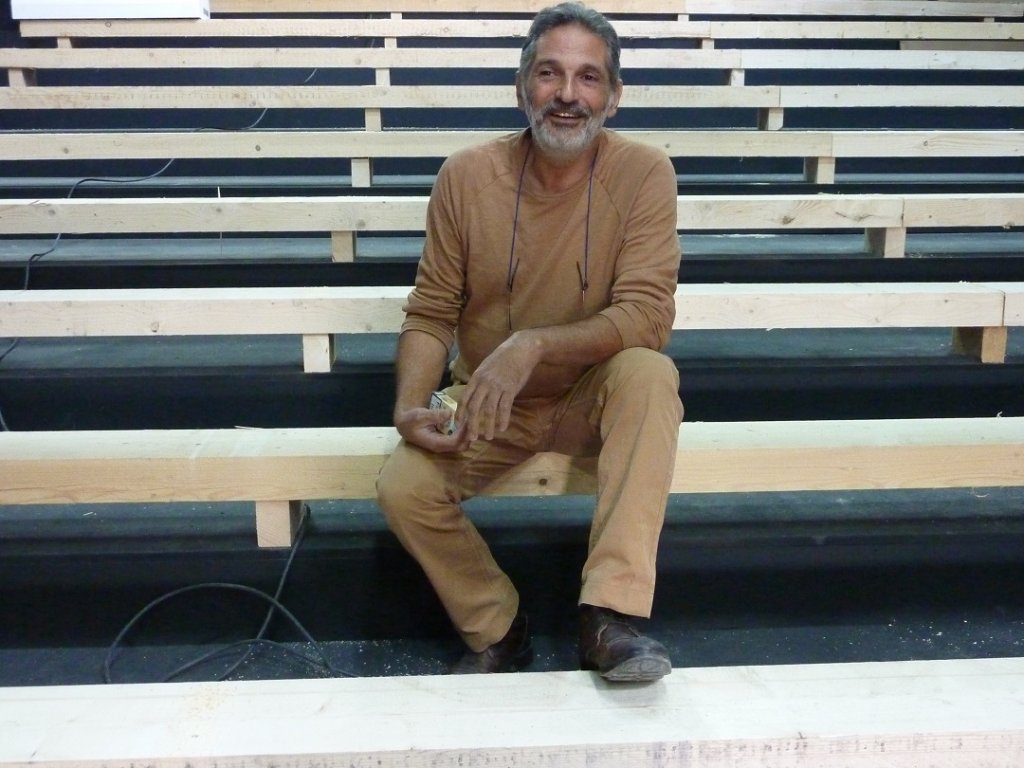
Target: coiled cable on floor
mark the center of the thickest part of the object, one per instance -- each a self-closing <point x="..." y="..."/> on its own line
<point x="322" y="663"/>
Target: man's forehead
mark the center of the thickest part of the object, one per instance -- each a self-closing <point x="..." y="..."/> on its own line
<point x="571" y="39"/>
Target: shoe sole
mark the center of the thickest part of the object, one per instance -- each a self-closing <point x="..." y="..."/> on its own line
<point x="639" y="669"/>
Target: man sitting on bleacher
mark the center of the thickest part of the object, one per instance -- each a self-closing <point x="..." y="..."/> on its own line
<point x="550" y="263"/>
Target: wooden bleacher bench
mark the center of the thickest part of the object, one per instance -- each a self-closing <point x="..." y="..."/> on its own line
<point x="884" y="218"/>
<point x="799" y="455"/>
<point x="962" y="713"/>
<point x="705" y="33"/>
<point x="769" y="102"/>
<point x="979" y="314"/>
<point x="748" y="8"/>
<point x="820" y="150"/>
<point x="279" y="468"/>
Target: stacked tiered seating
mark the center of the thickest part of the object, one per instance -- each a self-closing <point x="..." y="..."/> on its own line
<point x="239" y="202"/>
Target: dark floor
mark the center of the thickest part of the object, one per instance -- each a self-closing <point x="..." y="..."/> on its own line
<point x="745" y="579"/>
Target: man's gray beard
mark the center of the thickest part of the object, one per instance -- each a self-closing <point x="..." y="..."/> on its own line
<point x="562" y="145"/>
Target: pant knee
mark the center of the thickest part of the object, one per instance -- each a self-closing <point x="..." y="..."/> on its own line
<point x="646" y="370"/>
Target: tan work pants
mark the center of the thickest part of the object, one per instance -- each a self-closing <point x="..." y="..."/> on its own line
<point x="627" y="412"/>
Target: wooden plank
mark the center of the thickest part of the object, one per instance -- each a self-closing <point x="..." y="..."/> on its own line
<point x="894" y="8"/>
<point x="361" y="57"/>
<point x="319" y="311"/>
<point x="385" y="97"/>
<point x="441" y="143"/>
<point x="368" y="213"/>
<point x="768" y="212"/>
<point x="849" y="305"/>
<point x="202" y="311"/>
<point x="945" y="714"/>
<point x="959" y="210"/>
<point x="503" y="28"/>
<point x="865" y="30"/>
<point x="928" y="143"/>
<point x="1013" y="313"/>
<point x="254" y="214"/>
<point x="495" y="58"/>
<point x="799" y="96"/>
<point x="400" y="143"/>
<point x="343" y="463"/>
<point x="764" y="97"/>
<point x="986" y="344"/>
<point x="669" y="7"/>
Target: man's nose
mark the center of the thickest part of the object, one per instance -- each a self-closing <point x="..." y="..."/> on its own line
<point x="565" y="91"/>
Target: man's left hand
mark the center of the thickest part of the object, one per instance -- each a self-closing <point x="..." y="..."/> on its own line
<point x="486" y="403"/>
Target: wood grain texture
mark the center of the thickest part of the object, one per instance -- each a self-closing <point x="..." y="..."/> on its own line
<point x="342" y="463"/>
<point x="319" y="311"/>
<point x="943" y="714"/>
<point x="369" y="213"/>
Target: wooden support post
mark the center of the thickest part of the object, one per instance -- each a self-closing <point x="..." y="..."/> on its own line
<point x="770" y="119"/>
<point x="985" y="344"/>
<point x="373" y="119"/>
<point x="707" y="43"/>
<point x="277" y="522"/>
<point x="343" y="246"/>
<point x="736" y="77"/>
<point x="21" y="78"/>
<point x="392" y="42"/>
<point x="362" y="172"/>
<point x="890" y="242"/>
<point x="65" y="42"/>
<point x="820" y="170"/>
<point x="317" y="352"/>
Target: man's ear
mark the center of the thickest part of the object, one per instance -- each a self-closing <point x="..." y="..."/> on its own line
<point x="519" y="92"/>
<point x="613" y="100"/>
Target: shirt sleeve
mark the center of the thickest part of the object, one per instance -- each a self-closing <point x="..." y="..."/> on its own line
<point x="647" y="271"/>
<point x="435" y="302"/>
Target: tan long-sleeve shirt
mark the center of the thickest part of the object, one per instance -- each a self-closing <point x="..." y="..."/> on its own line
<point x="614" y="233"/>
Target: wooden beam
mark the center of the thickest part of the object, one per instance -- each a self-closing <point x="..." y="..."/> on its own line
<point x="503" y="28"/>
<point x="441" y="143"/>
<point x="374" y="97"/>
<point x="277" y="523"/>
<point x="374" y="213"/>
<point x="318" y="353"/>
<point x="343" y="463"/>
<point x="986" y="344"/>
<point x="888" y="242"/>
<point x="820" y="170"/>
<point x="895" y="8"/>
<point x="828" y="145"/>
<point x="946" y="714"/>
<point x="318" y="312"/>
<point x="881" y="216"/>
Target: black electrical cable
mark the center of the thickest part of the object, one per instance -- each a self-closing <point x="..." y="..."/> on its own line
<point x="323" y="663"/>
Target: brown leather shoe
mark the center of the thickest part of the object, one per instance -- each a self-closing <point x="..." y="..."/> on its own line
<point x="510" y="654"/>
<point x="610" y="644"/>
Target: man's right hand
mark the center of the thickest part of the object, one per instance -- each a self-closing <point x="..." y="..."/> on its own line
<point x="423" y="427"/>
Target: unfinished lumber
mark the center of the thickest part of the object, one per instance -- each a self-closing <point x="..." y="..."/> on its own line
<point x="953" y="714"/>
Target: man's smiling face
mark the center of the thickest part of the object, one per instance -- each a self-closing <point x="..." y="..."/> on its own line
<point x="568" y="93"/>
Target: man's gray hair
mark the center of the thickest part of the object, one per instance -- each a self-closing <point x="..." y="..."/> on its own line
<point x="571" y="13"/>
